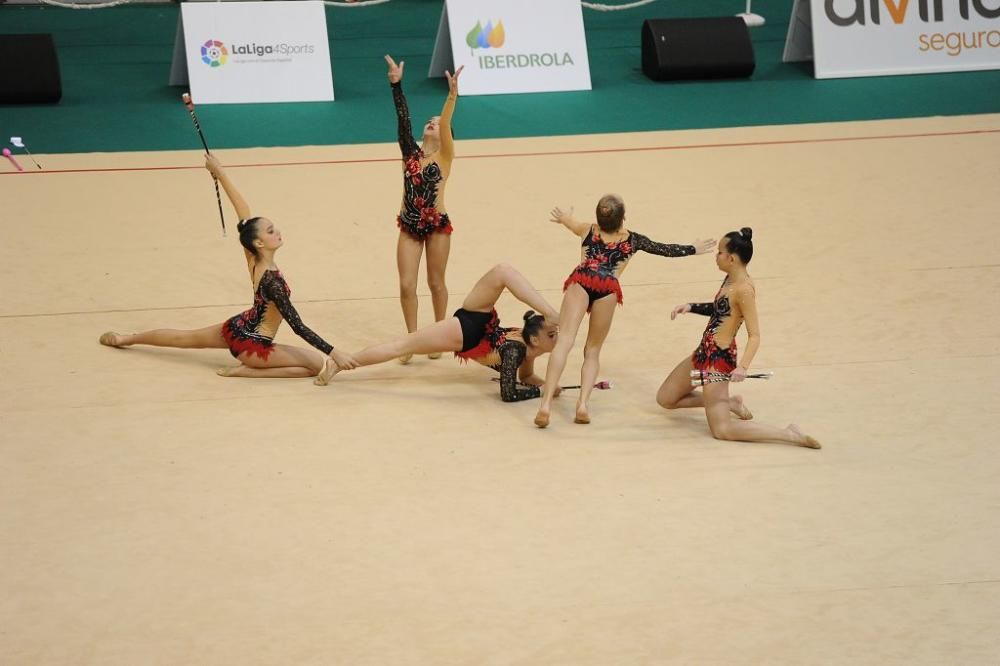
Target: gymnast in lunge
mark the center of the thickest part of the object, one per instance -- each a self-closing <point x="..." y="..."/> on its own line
<point x="716" y="356"/>
<point x="249" y="336"/>
<point x="474" y="333"/>
<point x="423" y="218"/>
<point x="593" y="288"/>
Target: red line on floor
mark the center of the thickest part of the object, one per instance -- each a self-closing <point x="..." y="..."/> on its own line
<point x="554" y="153"/>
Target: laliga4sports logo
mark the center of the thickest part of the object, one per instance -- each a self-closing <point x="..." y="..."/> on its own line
<point x="489" y="37"/>
<point x="214" y="53"/>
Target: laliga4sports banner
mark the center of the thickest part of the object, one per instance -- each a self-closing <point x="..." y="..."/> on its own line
<point x="255" y="52"/>
<point x="513" y="46"/>
<point x="878" y="37"/>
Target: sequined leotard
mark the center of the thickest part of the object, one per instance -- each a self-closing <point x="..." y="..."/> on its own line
<point x="604" y="262"/>
<point x="709" y="356"/>
<point x="488" y="343"/>
<point x="253" y="331"/>
<point x="422" y="186"/>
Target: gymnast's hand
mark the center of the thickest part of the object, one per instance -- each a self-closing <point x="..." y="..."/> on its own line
<point x="396" y="71"/>
<point x="738" y="375"/>
<point x="704" y="246"/>
<point x="213" y="165"/>
<point x="559" y="216"/>
<point x="343" y="360"/>
<point x="679" y="310"/>
<point x="452" y="79"/>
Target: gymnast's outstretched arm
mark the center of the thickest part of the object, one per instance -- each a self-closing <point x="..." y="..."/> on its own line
<point x="566" y="219"/>
<point x="407" y="144"/>
<point x="644" y="244"/>
<point x="447" y="140"/>
<point x="213" y="164"/>
<point x="274" y="289"/>
<point x="239" y="203"/>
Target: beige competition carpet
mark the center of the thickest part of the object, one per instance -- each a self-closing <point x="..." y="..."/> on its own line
<point x="154" y="513"/>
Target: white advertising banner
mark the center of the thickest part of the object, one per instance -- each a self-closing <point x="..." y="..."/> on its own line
<point x="513" y="46"/>
<point x="256" y="52"/>
<point x="879" y="37"/>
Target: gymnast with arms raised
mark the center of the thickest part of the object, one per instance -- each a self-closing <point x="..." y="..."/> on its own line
<point x="249" y="336"/>
<point x="423" y="218"/>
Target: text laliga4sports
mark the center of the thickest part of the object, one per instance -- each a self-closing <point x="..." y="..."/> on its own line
<point x="272" y="49"/>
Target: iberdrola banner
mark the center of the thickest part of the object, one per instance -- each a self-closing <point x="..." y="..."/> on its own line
<point x="513" y="46"/>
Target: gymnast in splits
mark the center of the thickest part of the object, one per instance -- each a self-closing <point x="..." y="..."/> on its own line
<point x="734" y="304"/>
<point x="474" y="333"/>
<point x="249" y="335"/>
<point x="593" y="288"/>
<point x="423" y="219"/>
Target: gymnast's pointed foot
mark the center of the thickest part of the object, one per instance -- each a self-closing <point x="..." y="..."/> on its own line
<point x="231" y="371"/>
<point x="327" y="373"/>
<point x="405" y="359"/>
<point x="582" y="415"/>
<point x="740" y="410"/>
<point x="434" y="356"/>
<point x="802" y="439"/>
<point x="112" y="339"/>
<point x="542" y="418"/>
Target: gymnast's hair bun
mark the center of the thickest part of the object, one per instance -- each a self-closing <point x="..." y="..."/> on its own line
<point x="240" y="225"/>
<point x="533" y="325"/>
<point x="610" y="213"/>
<point x="747" y="233"/>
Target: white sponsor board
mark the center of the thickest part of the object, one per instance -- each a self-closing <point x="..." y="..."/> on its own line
<point x="253" y="52"/>
<point x="880" y="37"/>
<point x="513" y="46"/>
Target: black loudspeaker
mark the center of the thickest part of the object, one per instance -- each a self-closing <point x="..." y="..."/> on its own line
<point x="29" y="70"/>
<point x="697" y="48"/>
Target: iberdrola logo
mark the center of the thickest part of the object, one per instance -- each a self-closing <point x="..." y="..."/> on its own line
<point x="214" y="53"/>
<point x="484" y="38"/>
<point x="493" y="37"/>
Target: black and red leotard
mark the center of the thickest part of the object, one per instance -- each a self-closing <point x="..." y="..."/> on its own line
<point x="602" y="262"/>
<point x="709" y="356"/>
<point x="253" y="331"/>
<point x="418" y="215"/>
<point x="486" y="342"/>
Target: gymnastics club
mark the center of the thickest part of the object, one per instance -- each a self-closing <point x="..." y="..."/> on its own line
<point x="186" y="97"/>
<point x="18" y="143"/>
<point x="700" y="377"/>
<point x="6" y="153"/>
<point x="602" y="385"/>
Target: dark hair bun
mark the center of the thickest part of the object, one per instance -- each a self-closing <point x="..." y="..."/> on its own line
<point x="740" y="244"/>
<point x="533" y="325"/>
<point x="240" y="225"/>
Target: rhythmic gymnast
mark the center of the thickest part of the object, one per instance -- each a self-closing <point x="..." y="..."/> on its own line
<point x="474" y="333"/>
<point x="734" y="303"/>
<point x="423" y="219"/>
<point x="607" y="249"/>
<point x="249" y="335"/>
